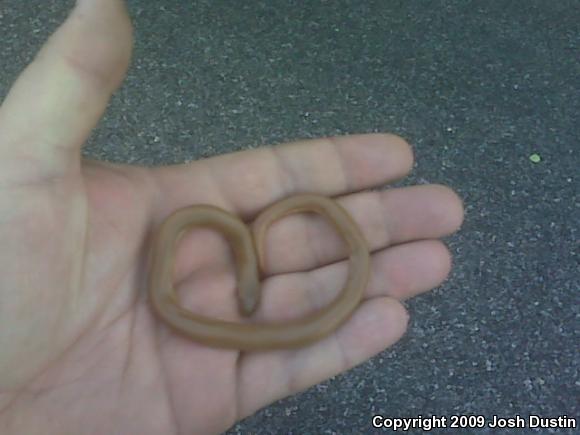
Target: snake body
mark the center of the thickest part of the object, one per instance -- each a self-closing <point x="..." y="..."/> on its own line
<point x="247" y="247"/>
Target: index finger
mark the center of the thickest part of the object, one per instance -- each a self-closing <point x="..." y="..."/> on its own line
<point x="245" y="182"/>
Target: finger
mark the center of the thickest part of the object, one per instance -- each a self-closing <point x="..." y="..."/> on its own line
<point x="301" y="241"/>
<point x="61" y="95"/>
<point x="245" y="182"/>
<point x="376" y="325"/>
<point x="402" y="271"/>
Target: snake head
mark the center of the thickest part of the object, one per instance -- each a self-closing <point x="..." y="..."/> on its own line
<point x="249" y="298"/>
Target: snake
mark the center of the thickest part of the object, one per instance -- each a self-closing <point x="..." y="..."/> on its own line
<point x="247" y="246"/>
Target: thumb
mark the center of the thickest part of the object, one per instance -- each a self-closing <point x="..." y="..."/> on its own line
<point x="60" y="97"/>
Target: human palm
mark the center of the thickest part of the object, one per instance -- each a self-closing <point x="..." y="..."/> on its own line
<point x="82" y="351"/>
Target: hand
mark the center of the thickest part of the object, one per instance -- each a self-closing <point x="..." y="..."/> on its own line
<point x="81" y="350"/>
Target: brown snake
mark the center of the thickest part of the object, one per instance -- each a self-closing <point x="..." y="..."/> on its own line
<point x="249" y="256"/>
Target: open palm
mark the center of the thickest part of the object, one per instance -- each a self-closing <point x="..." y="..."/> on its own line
<point x="81" y="350"/>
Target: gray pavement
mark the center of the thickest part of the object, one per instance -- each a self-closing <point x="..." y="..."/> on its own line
<point x="476" y="86"/>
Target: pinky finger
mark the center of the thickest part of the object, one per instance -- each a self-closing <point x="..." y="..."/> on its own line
<point x="266" y="377"/>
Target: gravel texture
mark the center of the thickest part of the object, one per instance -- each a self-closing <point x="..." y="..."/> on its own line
<point x="476" y="86"/>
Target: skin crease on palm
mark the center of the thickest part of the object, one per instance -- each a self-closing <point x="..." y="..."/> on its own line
<point x="82" y="352"/>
